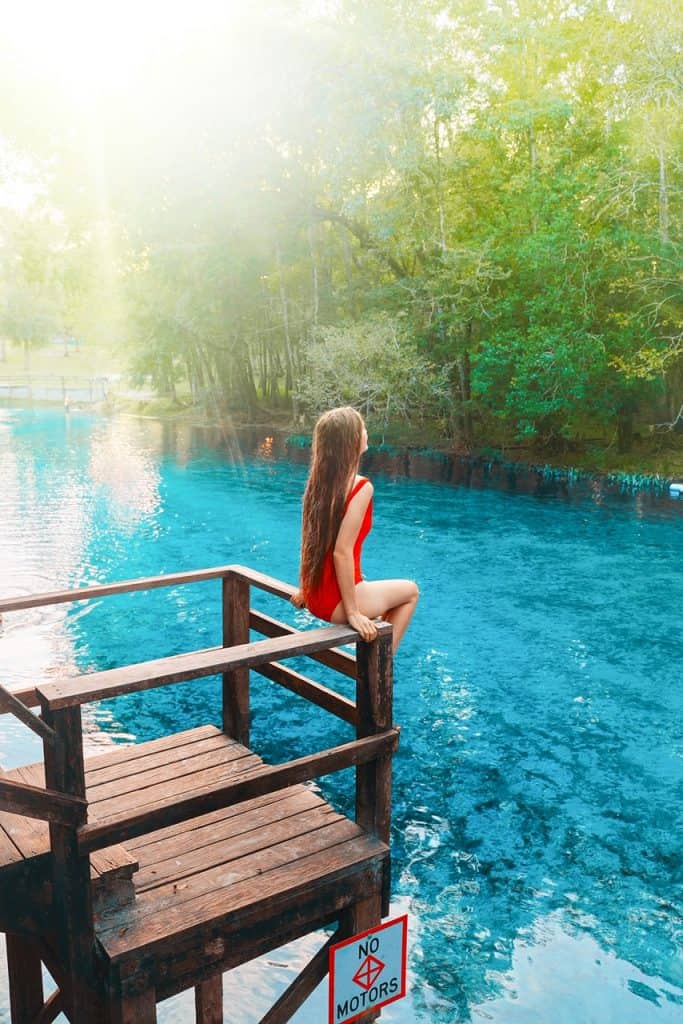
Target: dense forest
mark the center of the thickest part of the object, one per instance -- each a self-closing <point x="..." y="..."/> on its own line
<point x="467" y="214"/>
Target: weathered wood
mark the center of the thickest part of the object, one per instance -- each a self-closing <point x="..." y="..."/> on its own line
<point x="180" y="667"/>
<point x="320" y="868"/>
<point x="340" y="661"/>
<point x="359" y="918"/>
<point x="303" y="985"/>
<point x="28" y="697"/>
<point x="11" y="703"/>
<point x="263" y="780"/>
<point x="55" y="1005"/>
<point x="144" y="756"/>
<point x="44" y="804"/>
<point x="134" y="1008"/>
<point x="9" y="851"/>
<point x="374" y="702"/>
<point x="165" y="857"/>
<point x="314" y="692"/>
<point x="263" y="582"/>
<point x="179" y="867"/>
<point x="25" y="979"/>
<point x="64" y="771"/>
<point x="208" y="1000"/>
<point x="171" y="790"/>
<point x="236" y="682"/>
<point x="104" y="589"/>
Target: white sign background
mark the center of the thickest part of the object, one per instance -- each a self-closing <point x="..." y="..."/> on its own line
<point x="368" y="970"/>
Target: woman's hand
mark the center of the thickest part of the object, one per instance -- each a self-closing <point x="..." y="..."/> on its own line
<point x="297" y="599"/>
<point x="363" y="625"/>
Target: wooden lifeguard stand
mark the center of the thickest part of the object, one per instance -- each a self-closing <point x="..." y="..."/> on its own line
<point x="156" y="867"/>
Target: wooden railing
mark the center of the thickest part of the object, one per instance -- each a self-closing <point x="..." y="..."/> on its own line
<point x="371" y="713"/>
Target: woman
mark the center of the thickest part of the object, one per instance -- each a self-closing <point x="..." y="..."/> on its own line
<point x="337" y="518"/>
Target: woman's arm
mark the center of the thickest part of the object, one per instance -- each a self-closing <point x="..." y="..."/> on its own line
<point x="343" y="562"/>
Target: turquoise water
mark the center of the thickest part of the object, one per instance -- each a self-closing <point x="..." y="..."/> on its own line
<point x="538" y="788"/>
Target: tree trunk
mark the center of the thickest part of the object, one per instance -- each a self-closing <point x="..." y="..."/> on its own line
<point x="624" y="430"/>
<point x="663" y="199"/>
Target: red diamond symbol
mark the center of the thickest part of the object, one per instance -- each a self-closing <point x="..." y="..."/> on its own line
<point x="368" y="972"/>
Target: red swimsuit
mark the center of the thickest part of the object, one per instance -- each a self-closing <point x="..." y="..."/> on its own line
<point x="322" y="601"/>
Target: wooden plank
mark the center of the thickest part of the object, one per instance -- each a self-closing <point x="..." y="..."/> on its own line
<point x="303" y="985"/>
<point x="132" y="751"/>
<point x="115" y="861"/>
<point x="235" y="610"/>
<point x="264" y="780"/>
<point x="143" y="930"/>
<point x="340" y="661"/>
<point x="44" y="804"/>
<point x="25" y="979"/>
<point x="9" y="702"/>
<point x="145" y="777"/>
<point x="30" y="835"/>
<point x="195" y="665"/>
<point x="208" y="1000"/>
<point x="193" y="838"/>
<point x="64" y="771"/>
<point x="105" y="589"/>
<point x="9" y="851"/>
<point x="314" y="692"/>
<point x="170" y="790"/>
<point x="185" y="827"/>
<point x="177" y="869"/>
<point x="27" y="695"/>
<point x="54" y="1005"/>
<point x="170" y="755"/>
<point x="264" y="582"/>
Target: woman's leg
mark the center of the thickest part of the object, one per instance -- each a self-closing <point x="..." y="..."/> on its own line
<point x="392" y="600"/>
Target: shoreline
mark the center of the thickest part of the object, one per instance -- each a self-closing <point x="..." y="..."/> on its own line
<point x="486" y="458"/>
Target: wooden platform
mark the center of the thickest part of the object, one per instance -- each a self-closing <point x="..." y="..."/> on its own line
<point x="152" y="868"/>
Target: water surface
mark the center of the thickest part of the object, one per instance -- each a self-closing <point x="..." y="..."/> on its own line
<point x="538" y="787"/>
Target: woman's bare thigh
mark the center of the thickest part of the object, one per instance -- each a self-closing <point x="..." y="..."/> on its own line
<point x="377" y="597"/>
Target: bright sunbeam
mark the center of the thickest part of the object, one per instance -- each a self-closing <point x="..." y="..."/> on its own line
<point x="92" y="48"/>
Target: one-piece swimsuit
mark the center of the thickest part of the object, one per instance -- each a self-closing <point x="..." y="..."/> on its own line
<point x="322" y="601"/>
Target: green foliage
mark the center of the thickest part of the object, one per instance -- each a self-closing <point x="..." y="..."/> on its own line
<point x="461" y="211"/>
<point x="374" y="364"/>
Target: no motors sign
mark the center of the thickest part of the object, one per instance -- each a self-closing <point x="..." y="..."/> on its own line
<point x="368" y="970"/>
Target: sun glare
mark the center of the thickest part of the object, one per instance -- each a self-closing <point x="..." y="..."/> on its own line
<point x="89" y="47"/>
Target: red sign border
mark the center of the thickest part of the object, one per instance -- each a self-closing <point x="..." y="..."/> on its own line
<point x="403" y="920"/>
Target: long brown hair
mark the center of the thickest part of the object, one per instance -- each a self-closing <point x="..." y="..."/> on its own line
<point x="334" y="461"/>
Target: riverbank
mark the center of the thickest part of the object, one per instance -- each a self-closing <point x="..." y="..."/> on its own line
<point x="653" y="462"/>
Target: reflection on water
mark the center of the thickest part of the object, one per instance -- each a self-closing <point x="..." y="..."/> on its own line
<point x="541" y="752"/>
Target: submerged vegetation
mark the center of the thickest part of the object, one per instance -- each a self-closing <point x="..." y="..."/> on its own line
<point x="463" y="218"/>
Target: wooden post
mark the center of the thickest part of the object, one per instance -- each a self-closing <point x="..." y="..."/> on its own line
<point x="236" y="684"/>
<point x="134" y="1008"/>
<point x="358" y="919"/>
<point x="208" y="1000"/>
<point x="64" y="771"/>
<point x="374" y="702"/>
<point x="25" y="979"/>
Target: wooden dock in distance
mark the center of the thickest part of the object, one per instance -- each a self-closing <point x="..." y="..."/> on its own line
<point x="154" y="868"/>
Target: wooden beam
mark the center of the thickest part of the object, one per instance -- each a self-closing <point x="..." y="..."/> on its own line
<point x="302" y="986"/>
<point x="25" y="979"/>
<point x="208" y="1000"/>
<point x="264" y="582"/>
<point x="147" y="675"/>
<point x="236" y="683"/>
<point x="13" y="604"/>
<point x="55" y="1005"/>
<point x="257" y="783"/>
<point x="44" y="804"/>
<point x="340" y="661"/>
<point x="9" y="702"/>
<point x="314" y="692"/>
